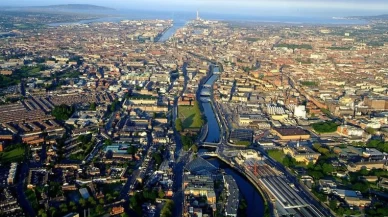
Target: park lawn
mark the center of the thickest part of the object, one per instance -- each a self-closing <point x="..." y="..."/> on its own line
<point x="325" y="127"/>
<point x="191" y="118"/>
<point x="243" y="143"/>
<point x="14" y="155"/>
<point x="277" y="155"/>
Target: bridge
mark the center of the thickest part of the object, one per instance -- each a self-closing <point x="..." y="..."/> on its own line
<point x="205" y="92"/>
<point x="210" y="144"/>
<point x="207" y="154"/>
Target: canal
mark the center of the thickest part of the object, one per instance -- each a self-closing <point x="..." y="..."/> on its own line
<point x="255" y="203"/>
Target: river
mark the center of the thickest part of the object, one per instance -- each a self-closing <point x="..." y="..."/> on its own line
<point x="213" y="127"/>
<point x="255" y="203"/>
<point x="165" y="36"/>
<point x="171" y="31"/>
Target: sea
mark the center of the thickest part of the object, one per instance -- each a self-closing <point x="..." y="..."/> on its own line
<point x="182" y="17"/>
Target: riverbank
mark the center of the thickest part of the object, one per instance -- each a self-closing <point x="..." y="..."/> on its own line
<point x="253" y="205"/>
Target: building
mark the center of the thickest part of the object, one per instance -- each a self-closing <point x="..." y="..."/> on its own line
<point x="300" y="111"/>
<point x="383" y="183"/>
<point x="246" y="154"/>
<point x="327" y="186"/>
<point x="354" y="167"/>
<point x="199" y="186"/>
<point x="374" y="154"/>
<point x="232" y="203"/>
<point x="6" y="135"/>
<point x="291" y="133"/>
<point x="117" y="210"/>
<point x="301" y="153"/>
<point x="376" y="103"/>
<point x="12" y="173"/>
<point x="350" y="131"/>
<point x="241" y="135"/>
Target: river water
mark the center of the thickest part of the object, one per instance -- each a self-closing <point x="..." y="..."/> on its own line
<point x="171" y="31"/>
<point x="213" y="127"/>
<point x="253" y="198"/>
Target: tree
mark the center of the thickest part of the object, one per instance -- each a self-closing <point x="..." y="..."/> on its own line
<point x="315" y="174"/>
<point x="370" y="130"/>
<point x="325" y="127"/>
<point x="92" y="106"/>
<point x="92" y="201"/>
<point x="178" y="125"/>
<point x="82" y="202"/>
<point x="363" y="187"/>
<point x="100" y="209"/>
<point x="101" y="201"/>
<point x="124" y="215"/>
<point x="84" y="138"/>
<point x="289" y="161"/>
<point x="115" y="104"/>
<point x="132" y="150"/>
<point x="194" y="148"/>
<point x="52" y="211"/>
<point x="363" y="171"/>
<point x="108" y="142"/>
<point x="327" y="168"/>
<point x="63" y="208"/>
<point x="73" y="206"/>
<point x="42" y="213"/>
<point x="161" y="194"/>
<point x="333" y="204"/>
<point x="167" y="209"/>
<point x="109" y="197"/>
<point x="62" y="112"/>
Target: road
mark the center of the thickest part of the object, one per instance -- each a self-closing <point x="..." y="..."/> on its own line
<point x="180" y="155"/>
<point x="22" y="199"/>
<point x="132" y="180"/>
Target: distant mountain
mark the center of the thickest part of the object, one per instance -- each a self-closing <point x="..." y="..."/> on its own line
<point x="75" y="7"/>
<point x="378" y="17"/>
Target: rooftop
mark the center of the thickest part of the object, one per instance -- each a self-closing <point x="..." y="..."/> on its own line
<point x="291" y="131"/>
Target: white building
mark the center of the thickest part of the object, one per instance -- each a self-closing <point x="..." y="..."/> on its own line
<point x="300" y="111"/>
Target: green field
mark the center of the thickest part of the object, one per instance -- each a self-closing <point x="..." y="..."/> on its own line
<point x="325" y="127"/>
<point x="277" y="155"/>
<point x="14" y="155"/>
<point x="191" y="116"/>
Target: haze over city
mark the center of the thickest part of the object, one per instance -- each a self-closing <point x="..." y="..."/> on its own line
<point x="246" y="7"/>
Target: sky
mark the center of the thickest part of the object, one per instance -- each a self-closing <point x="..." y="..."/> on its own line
<point x="247" y="7"/>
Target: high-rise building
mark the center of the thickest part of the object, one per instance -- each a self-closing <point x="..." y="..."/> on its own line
<point x="198" y="15"/>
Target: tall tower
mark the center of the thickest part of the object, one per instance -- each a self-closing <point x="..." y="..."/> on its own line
<point x="197" y="15"/>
